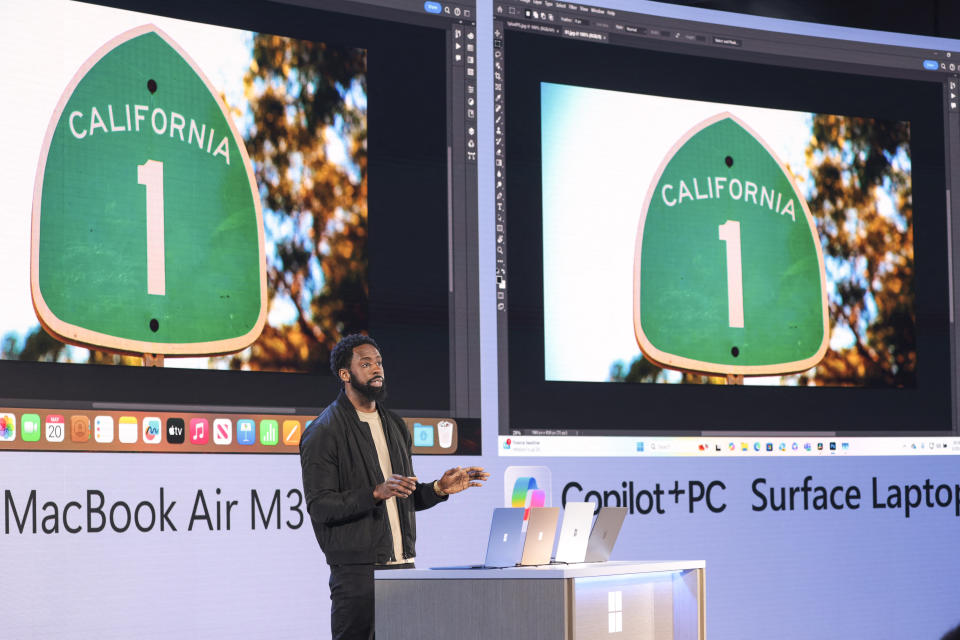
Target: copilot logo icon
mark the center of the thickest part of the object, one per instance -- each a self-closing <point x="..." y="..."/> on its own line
<point x="526" y="487"/>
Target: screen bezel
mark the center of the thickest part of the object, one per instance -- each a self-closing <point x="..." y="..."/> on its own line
<point x="408" y="308"/>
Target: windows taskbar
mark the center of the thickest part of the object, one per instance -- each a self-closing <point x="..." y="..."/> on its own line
<point x="734" y="446"/>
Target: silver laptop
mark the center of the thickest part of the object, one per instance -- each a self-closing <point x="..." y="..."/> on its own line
<point x="574" y="532"/>
<point x="541" y="531"/>
<point x="604" y="534"/>
<point x="505" y="544"/>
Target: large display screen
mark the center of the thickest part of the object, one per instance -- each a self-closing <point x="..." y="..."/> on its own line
<point x="229" y="193"/>
<point x="703" y="243"/>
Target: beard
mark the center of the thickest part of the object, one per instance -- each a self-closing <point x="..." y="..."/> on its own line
<point x="368" y="391"/>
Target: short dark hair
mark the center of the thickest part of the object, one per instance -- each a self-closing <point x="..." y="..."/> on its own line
<point x="342" y="354"/>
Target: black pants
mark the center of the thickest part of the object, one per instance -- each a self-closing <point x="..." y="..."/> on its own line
<point x="351" y="596"/>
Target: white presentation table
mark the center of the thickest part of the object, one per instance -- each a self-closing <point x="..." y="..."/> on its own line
<point x="644" y="600"/>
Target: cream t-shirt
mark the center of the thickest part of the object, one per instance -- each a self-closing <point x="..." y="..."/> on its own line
<point x="383" y="455"/>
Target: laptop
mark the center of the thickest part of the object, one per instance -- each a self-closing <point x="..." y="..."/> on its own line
<point x="574" y="532"/>
<point x="541" y="532"/>
<point x="505" y="544"/>
<point x="604" y="534"/>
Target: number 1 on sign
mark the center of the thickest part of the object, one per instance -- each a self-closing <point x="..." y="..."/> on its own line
<point x="730" y="235"/>
<point x="150" y="175"/>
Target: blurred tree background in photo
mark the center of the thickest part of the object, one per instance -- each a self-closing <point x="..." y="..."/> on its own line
<point x="863" y="206"/>
<point x="308" y="144"/>
<point x="857" y="183"/>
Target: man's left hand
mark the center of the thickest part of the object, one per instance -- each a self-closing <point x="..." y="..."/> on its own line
<point x="459" y="478"/>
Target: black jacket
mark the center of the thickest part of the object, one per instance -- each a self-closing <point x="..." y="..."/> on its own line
<point x="340" y="471"/>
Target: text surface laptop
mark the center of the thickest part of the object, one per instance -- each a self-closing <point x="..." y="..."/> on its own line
<point x="604" y="534"/>
<point x="505" y="544"/>
<point x="574" y="532"/>
<point x="541" y="531"/>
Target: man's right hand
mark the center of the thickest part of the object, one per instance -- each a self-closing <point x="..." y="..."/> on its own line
<point x="396" y="486"/>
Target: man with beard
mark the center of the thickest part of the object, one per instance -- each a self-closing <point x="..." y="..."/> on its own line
<point x="360" y="488"/>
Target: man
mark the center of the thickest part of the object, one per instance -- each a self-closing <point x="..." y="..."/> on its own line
<point x="360" y="488"/>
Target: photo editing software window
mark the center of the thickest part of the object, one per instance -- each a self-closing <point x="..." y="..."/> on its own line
<point x="205" y="201"/>
<point x="706" y="230"/>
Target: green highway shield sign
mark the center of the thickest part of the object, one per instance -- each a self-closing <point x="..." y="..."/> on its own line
<point x="147" y="232"/>
<point x="728" y="270"/>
